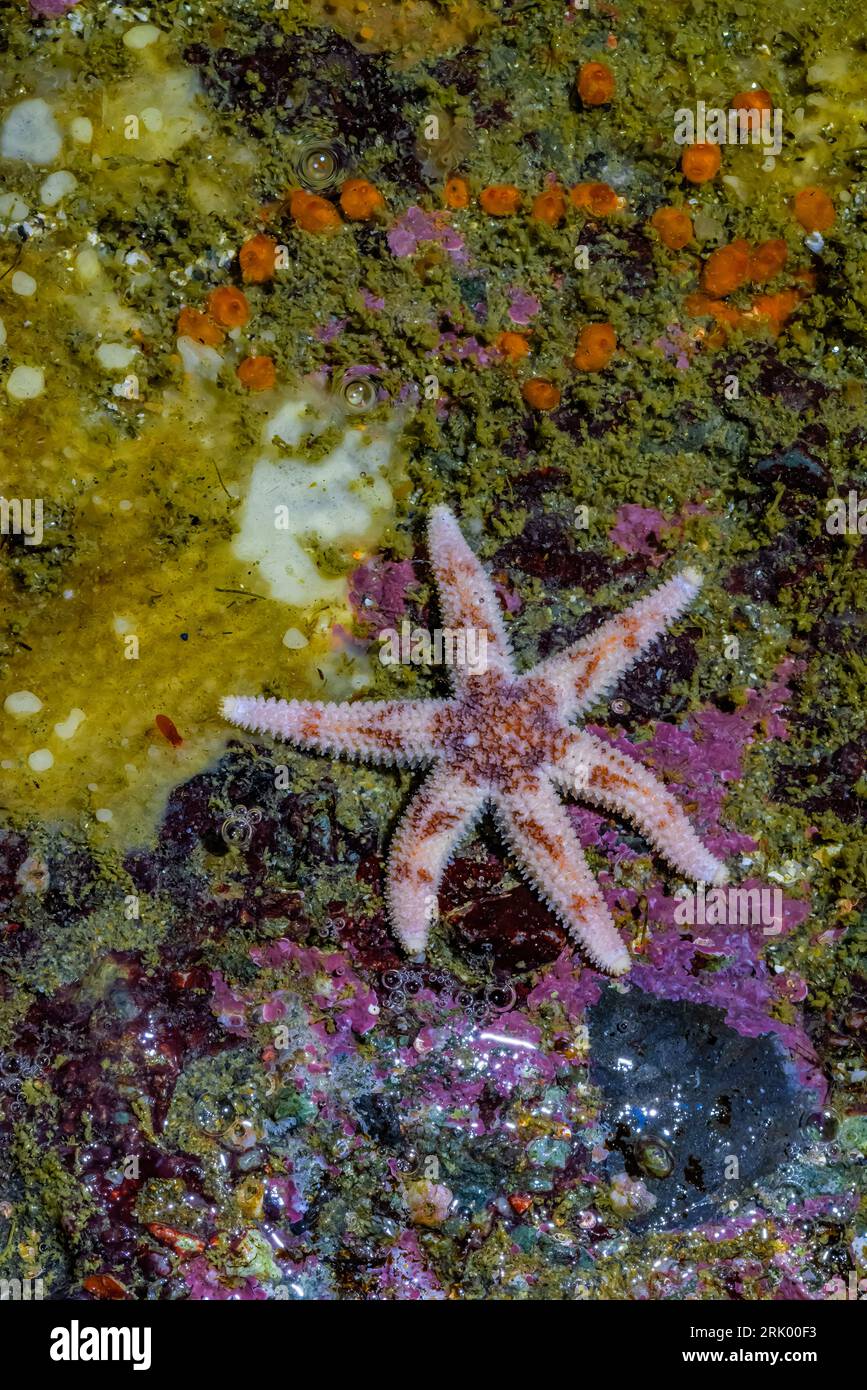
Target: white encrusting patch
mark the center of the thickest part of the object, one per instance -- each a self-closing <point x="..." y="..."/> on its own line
<point x="30" y="133"/>
<point x="68" y="727"/>
<point x="293" y="506"/>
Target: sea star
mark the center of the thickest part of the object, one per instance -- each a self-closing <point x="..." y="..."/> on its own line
<point x="505" y="738"/>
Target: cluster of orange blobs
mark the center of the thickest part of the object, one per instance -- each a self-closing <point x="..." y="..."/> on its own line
<point x="550" y="207"/>
<point x="730" y="268"/>
<point x="227" y="308"/>
<point x="597" y="344"/>
<point x="726" y="269"/>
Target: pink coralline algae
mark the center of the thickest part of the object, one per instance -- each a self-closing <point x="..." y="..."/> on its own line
<point x="643" y="530"/>
<point x="459" y="349"/>
<point x="335" y="987"/>
<point x="523" y="306"/>
<point x="52" y="9"/>
<point x="229" y="1007"/>
<point x="377" y="591"/>
<point x="405" y="1275"/>
<point x="418" y="227"/>
<point x="326" y="333"/>
<point x="676" y="345"/>
<point x="205" y="1284"/>
<point x="701" y="756"/>
<point x="568" y="984"/>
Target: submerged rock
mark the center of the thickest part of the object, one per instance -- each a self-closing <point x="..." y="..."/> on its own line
<point x="693" y="1109"/>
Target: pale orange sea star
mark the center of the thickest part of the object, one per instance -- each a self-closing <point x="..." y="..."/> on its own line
<point x="505" y="739"/>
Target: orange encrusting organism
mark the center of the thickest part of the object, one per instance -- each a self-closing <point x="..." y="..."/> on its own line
<point x="700" y="163"/>
<point x="673" y="226"/>
<point x="360" y="200"/>
<point x="500" y="199"/>
<point x="726" y="269"/>
<point x="597" y="344"/>
<point x="549" y="207"/>
<point x="513" y="346"/>
<point x="596" y="198"/>
<point x="756" y="100"/>
<point x="777" y="309"/>
<point x="314" y="214"/>
<point x="541" y="395"/>
<point x="228" y="306"/>
<point x="595" y="84"/>
<point x="767" y="260"/>
<point x="257" y="373"/>
<point x="814" y="210"/>
<point x="192" y="323"/>
<point x="257" y="259"/>
<point x="703" y="306"/>
<point x="456" y="193"/>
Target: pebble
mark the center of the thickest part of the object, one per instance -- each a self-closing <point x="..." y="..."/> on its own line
<point x="141" y="36"/>
<point x="87" y="265"/>
<point x="25" y="383"/>
<point x="115" y="357"/>
<point x="23" y="284"/>
<point x="22" y="703"/>
<point x="41" y="759"/>
<point x="12" y="209"/>
<point x="81" y="130"/>
<point x="56" y="187"/>
<point x="293" y="639"/>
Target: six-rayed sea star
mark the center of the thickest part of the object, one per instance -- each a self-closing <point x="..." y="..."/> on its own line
<point x="505" y="738"/>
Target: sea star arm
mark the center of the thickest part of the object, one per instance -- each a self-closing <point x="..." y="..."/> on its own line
<point x="381" y="730"/>
<point x="599" y="772"/>
<point x="539" y="831"/>
<point x="440" y="813"/>
<point x="592" y="666"/>
<point x="467" y="600"/>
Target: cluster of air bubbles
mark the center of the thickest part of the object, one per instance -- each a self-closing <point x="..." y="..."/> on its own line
<point x="497" y="997"/>
<point x="237" y="828"/>
<point x="319" y="164"/>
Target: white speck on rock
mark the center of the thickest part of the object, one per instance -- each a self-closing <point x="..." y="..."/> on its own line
<point x="41" y="759"/>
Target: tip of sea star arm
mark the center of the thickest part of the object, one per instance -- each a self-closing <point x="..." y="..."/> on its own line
<point x="236" y="709"/>
<point x="621" y="964"/>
